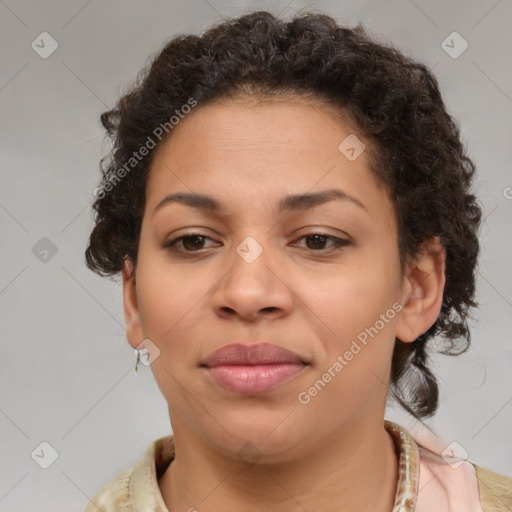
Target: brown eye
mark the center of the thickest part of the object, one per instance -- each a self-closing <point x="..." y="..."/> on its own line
<point x="192" y="242"/>
<point x="316" y="242"/>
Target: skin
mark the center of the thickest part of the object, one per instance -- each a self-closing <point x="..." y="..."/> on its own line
<point x="301" y="294"/>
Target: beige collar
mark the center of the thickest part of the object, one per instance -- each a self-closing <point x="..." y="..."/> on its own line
<point x="161" y="453"/>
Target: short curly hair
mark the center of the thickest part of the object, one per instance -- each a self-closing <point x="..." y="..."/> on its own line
<point x="397" y="107"/>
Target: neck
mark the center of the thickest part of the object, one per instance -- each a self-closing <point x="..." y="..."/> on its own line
<point x="356" y="469"/>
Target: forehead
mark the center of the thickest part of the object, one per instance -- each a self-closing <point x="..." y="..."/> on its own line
<point x="291" y="124"/>
<point x="243" y="149"/>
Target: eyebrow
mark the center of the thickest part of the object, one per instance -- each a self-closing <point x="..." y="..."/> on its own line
<point x="298" y="202"/>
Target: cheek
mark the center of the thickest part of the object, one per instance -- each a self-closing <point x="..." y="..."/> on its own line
<point x="169" y="296"/>
<point x="355" y="359"/>
<point x="359" y="306"/>
<point x="351" y="300"/>
<point x="170" y="306"/>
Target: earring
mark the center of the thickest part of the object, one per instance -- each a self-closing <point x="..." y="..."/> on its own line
<point x="138" y="359"/>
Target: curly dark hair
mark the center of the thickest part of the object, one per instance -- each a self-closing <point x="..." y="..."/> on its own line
<point x="394" y="102"/>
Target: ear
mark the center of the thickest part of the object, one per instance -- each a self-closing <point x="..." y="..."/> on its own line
<point x="422" y="292"/>
<point x="134" y="331"/>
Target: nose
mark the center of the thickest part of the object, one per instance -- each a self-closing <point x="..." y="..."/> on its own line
<point x="253" y="288"/>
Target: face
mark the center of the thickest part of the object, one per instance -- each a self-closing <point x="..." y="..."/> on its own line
<point x="320" y="278"/>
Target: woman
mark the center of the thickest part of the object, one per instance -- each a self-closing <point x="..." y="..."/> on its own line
<point x="289" y="206"/>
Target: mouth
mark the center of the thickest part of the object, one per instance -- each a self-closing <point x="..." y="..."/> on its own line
<point x="253" y="369"/>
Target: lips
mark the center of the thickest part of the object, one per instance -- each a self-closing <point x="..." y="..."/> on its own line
<point x="261" y="353"/>
<point x="254" y="368"/>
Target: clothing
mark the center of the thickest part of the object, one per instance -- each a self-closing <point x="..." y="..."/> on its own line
<point x="426" y="481"/>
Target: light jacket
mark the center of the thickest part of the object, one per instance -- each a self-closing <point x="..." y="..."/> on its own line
<point x="429" y="481"/>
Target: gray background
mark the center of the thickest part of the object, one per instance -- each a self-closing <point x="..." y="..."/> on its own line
<point x="67" y="372"/>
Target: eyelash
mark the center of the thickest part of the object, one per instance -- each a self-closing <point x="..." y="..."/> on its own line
<point x="338" y="242"/>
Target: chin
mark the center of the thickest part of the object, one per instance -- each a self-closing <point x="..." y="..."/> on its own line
<point x="270" y="432"/>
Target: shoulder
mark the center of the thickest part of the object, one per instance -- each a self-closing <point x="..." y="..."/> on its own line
<point x="448" y="480"/>
<point x="495" y="490"/>
<point x="136" y="488"/>
<point x="114" y="495"/>
<point x="462" y="485"/>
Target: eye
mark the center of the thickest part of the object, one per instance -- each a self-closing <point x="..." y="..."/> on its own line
<point x="192" y="242"/>
<point x="320" y="239"/>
